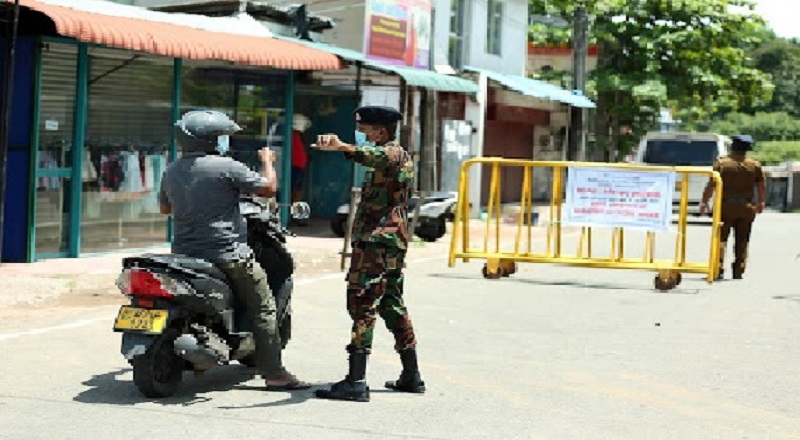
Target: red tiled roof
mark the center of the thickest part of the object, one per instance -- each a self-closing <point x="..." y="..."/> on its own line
<point x="561" y="49"/>
<point x="173" y="40"/>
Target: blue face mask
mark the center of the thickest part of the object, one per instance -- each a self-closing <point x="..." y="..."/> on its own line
<point x="223" y="144"/>
<point x="361" y="139"/>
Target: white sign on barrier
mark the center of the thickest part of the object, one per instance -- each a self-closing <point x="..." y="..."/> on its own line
<point x="608" y="197"/>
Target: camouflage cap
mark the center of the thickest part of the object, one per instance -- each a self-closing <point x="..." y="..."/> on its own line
<point x="373" y="114"/>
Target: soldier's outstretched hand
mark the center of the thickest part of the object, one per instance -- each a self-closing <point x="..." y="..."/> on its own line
<point x="328" y="142"/>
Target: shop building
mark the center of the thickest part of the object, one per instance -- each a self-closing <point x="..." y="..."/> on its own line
<point x="97" y="89"/>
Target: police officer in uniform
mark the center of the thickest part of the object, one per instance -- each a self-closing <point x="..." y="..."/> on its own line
<point x="740" y="175"/>
<point x="380" y="240"/>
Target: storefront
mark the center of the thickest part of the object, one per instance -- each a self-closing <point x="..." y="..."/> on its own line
<point x="98" y="134"/>
<point x="523" y="119"/>
<point x="370" y="82"/>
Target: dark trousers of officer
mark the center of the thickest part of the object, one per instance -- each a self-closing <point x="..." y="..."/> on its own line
<point x="375" y="285"/>
<point x="249" y="283"/>
<point x="739" y="216"/>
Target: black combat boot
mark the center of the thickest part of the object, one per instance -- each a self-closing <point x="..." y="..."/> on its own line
<point x="737" y="272"/>
<point x="354" y="386"/>
<point x="410" y="380"/>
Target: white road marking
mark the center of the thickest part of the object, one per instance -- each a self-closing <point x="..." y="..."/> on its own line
<point x="39" y="331"/>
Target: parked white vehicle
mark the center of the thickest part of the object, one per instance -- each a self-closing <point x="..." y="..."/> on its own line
<point x="437" y="209"/>
<point x="683" y="149"/>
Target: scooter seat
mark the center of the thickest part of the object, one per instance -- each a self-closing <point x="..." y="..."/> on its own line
<point x="178" y="262"/>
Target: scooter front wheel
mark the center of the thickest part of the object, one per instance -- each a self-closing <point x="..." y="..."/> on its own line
<point x="158" y="372"/>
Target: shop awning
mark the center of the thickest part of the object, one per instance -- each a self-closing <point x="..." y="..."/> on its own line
<point x="240" y="40"/>
<point x="415" y="77"/>
<point x="536" y="88"/>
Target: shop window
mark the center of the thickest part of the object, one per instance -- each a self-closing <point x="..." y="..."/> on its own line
<point x="54" y="149"/>
<point x="128" y="130"/>
<point x="254" y="99"/>
<point x="494" y="27"/>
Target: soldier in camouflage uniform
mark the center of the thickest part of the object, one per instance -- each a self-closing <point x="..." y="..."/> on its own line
<point x="380" y="241"/>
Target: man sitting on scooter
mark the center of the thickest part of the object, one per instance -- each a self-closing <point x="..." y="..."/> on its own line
<point x="201" y="190"/>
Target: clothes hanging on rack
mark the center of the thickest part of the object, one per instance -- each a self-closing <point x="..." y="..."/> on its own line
<point x="47" y="161"/>
<point x="89" y="172"/>
<point x="158" y="164"/>
<point x="111" y="172"/>
<point x="132" y="169"/>
<point x="147" y="172"/>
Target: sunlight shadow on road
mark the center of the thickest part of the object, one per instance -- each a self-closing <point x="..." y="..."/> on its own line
<point x="109" y="388"/>
<point x="585" y="285"/>
<point x="295" y="397"/>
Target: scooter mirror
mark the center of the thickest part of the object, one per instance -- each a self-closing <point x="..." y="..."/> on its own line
<point x="301" y="211"/>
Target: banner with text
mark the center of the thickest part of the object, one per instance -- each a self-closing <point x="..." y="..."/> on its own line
<point x="398" y="32"/>
<point x="608" y="197"/>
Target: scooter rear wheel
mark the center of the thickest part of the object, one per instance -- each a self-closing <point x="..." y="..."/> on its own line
<point x="158" y="372"/>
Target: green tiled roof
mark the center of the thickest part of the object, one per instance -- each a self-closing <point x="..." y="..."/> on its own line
<point x="536" y="88"/>
<point x="414" y="77"/>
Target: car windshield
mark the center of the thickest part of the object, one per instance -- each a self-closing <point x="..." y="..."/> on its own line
<point x="681" y="153"/>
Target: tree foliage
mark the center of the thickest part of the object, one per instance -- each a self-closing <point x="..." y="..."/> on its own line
<point x="780" y="58"/>
<point x="688" y="55"/>
<point x="778" y="126"/>
<point x="777" y="152"/>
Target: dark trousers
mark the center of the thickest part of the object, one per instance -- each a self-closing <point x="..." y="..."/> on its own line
<point x="250" y="287"/>
<point x="739" y="217"/>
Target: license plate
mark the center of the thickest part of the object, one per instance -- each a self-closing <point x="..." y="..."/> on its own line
<point x="141" y="320"/>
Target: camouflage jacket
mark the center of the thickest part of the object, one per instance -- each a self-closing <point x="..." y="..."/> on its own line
<point x="382" y="214"/>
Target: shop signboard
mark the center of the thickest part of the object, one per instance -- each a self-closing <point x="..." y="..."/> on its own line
<point x="398" y="32"/>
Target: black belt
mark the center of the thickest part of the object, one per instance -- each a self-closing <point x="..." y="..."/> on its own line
<point x="736" y="199"/>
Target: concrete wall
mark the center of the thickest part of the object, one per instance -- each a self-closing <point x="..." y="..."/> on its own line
<point x="514" y="36"/>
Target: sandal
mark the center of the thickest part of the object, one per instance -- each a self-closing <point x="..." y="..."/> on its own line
<point x="293" y="384"/>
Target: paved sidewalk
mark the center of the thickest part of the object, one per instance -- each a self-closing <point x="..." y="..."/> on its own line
<point x="90" y="280"/>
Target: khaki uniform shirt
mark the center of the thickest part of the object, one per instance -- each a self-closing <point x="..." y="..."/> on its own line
<point x="739" y="176"/>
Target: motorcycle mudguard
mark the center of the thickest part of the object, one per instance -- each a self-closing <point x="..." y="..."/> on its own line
<point x="135" y="344"/>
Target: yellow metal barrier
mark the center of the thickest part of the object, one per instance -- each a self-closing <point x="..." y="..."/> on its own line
<point x="503" y="263"/>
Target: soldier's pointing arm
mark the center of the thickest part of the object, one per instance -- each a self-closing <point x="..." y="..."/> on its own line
<point x="381" y="157"/>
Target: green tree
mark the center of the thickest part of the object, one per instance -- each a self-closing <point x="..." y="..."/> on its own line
<point x="780" y="58"/>
<point x="690" y="55"/>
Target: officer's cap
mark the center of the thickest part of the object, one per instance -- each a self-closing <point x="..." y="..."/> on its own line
<point x="742" y="142"/>
<point x="374" y="114"/>
<point x="743" y="139"/>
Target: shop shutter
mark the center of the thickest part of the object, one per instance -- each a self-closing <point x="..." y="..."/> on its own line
<point x="57" y="106"/>
<point x="130" y="99"/>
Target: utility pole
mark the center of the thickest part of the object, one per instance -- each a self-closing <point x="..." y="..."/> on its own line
<point x="577" y="144"/>
<point x="428" y="151"/>
<point x="8" y="87"/>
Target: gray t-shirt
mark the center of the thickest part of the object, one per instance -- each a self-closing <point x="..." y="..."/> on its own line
<point x="203" y="191"/>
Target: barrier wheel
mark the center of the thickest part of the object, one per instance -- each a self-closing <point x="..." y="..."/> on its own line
<point x="678" y="278"/>
<point x="664" y="284"/>
<point x="492" y="276"/>
<point x="509" y="269"/>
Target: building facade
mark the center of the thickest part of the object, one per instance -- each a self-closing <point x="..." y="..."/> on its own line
<point x="93" y="111"/>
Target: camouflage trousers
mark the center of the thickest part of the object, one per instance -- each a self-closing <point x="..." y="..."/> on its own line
<point x="375" y="284"/>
